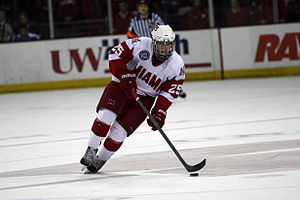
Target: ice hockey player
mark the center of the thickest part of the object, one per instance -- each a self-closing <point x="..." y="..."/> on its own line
<point x="154" y="71"/>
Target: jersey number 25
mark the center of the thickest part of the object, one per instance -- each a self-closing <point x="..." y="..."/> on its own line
<point x="118" y="49"/>
<point x="175" y="89"/>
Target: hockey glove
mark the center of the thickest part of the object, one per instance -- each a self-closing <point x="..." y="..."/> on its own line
<point x="127" y="82"/>
<point x="159" y="114"/>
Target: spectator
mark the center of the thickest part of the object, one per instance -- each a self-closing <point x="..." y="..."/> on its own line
<point x="6" y="29"/>
<point x="282" y="9"/>
<point x="237" y="15"/>
<point x="253" y="12"/>
<point x="122" y="19"/>
<point x="67" y="10"/>
<point x="198" y="17"/>
<point x="266" y="11"/>
<point x="42" y="15"/>
<point x="293" y="11"/>
<point x="24" y="21"/>
<point x="184" y="7"/>
<point x="24" y="35"/>
<point x="94" y="11"/>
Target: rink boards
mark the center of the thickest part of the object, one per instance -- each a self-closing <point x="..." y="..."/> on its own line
<point x="252" y="51"/>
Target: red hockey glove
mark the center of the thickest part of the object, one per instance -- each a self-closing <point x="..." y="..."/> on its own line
<point x="159" y="114"/>
<point x="127" y="82"/>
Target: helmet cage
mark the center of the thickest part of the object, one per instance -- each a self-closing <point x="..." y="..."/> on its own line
<point x="163" y="49"/>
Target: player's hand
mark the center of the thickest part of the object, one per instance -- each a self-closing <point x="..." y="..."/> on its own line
<point x="159" y="115"/>
<point x="127" y="83"/>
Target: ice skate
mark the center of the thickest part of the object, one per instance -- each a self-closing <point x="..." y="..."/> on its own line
<point x="88" y="157"/>
<point x="96" y="165"/>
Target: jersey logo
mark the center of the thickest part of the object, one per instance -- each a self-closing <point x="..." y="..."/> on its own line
<point x="111" y="102"/>
<point x="144" y="55"/>
<point x="150" y="79"/>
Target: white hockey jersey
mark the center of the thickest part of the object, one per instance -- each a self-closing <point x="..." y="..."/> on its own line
<point x="165" y="78"/>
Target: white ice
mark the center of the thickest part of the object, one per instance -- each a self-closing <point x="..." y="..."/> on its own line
<point x="248" y="130"/>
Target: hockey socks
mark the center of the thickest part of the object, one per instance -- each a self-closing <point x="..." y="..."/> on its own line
<point x="98" y="133"/>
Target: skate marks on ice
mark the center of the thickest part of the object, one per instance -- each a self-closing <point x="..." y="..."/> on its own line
<point x="66" y="180"/>
<point x="224" y="160"/>
<point x="252" y="159"/>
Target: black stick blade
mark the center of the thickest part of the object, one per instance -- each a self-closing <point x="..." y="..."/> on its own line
<point x="195" y="168"/>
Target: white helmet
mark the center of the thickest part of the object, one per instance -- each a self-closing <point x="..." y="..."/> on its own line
<point x="163" y="41"/>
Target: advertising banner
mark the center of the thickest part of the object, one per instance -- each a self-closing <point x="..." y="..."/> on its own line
<point x="265" y="46"/>
<point x="83" y="58"/>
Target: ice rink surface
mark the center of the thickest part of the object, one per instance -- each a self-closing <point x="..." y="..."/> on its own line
<point x="248" y="130"/>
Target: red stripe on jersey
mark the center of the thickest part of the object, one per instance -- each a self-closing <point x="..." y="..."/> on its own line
<point x="163" y="102"/>
<point x="172" y="86"/>
<point x="117" y="67"/>
<point x="127" y="53"/>
<point x="122" y="51"/>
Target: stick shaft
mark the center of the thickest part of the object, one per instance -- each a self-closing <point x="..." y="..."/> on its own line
<point x="161" y="131"/>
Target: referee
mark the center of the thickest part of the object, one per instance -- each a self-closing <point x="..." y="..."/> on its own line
<point x="143" y="24"/>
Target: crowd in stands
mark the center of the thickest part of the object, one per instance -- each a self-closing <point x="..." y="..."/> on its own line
<point x="28" y="20"/>
<point x="252" y="12"/>
<point x="21" y="30"/>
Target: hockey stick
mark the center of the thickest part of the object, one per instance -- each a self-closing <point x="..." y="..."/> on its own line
<point x="189" y="168"/>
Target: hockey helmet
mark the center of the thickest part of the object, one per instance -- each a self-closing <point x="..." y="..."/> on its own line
<point x="163" y="41"/>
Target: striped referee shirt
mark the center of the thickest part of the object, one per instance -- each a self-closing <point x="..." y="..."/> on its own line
<point x="143" y="27"/>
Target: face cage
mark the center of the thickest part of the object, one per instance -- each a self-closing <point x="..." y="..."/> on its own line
<point x="160" y="49"/>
